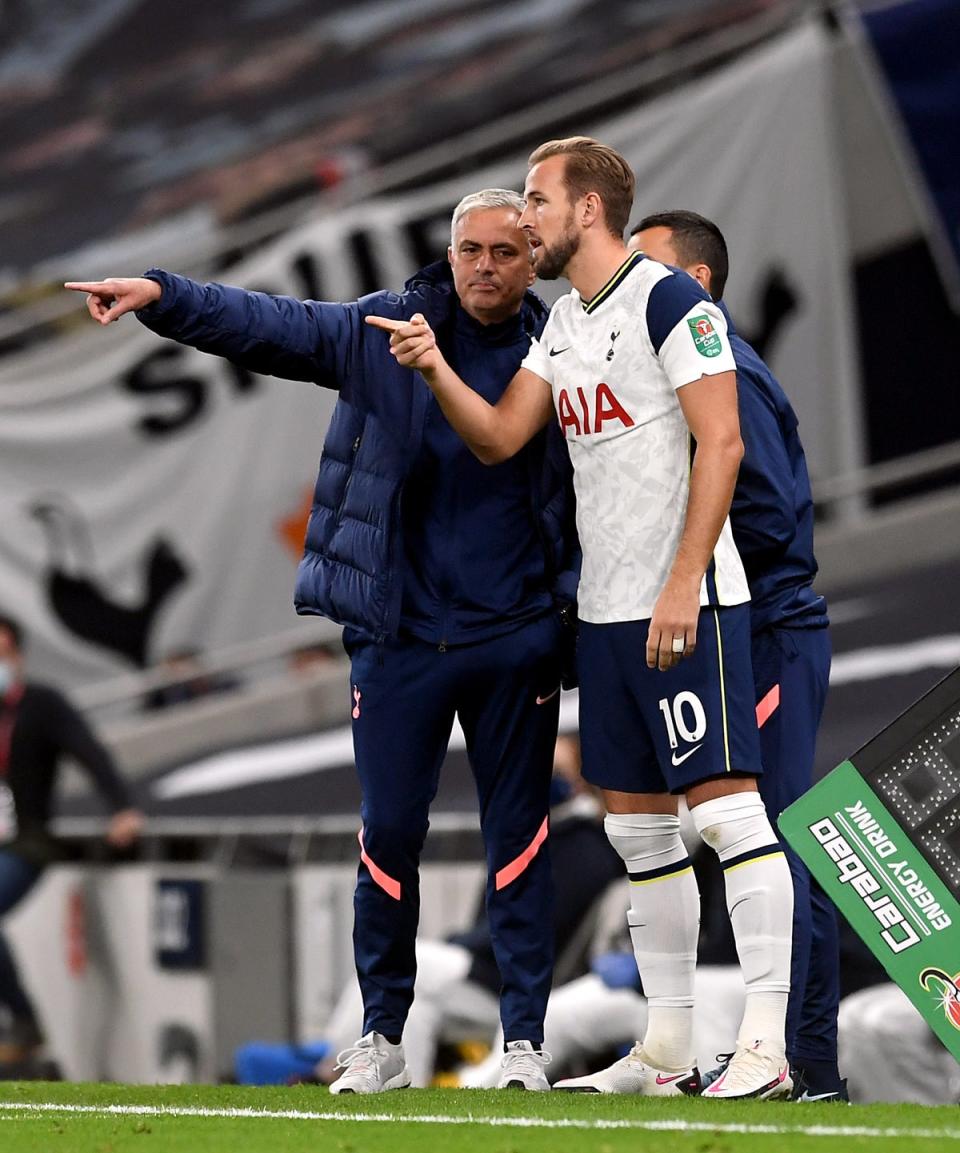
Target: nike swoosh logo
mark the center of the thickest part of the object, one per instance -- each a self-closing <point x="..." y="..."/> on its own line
<point x="679" y="760"/>
<point x="557" y="351"/>
<point x="548" y="697"/>
<point x="673" y="1077"/>
<point x="806" y="1095"/>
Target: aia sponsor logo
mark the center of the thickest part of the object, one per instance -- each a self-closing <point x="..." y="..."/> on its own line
<point x="948" y="993"/>
<point x="584" y="414"/>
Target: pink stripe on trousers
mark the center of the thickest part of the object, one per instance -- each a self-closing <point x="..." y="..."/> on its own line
<point x="387" y="883"/>
<point x="768" y="706"/>
<point x="510" y="872"/>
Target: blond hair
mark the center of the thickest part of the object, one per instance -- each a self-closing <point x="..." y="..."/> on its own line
<point x="593" y="167"/>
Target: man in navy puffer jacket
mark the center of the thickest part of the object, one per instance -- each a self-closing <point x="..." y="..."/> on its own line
<point x="451" y="579"/>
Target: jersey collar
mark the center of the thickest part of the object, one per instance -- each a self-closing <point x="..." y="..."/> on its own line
<point x="613" y="283"/>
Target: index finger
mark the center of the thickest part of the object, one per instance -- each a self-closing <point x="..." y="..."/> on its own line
<point x="653" y="648"/>
<point x="386" y="323"/>
<point x="85" y="285"/>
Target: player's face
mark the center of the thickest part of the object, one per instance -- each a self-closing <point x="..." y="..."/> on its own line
<point x="657" y="243"/>
<point x="490" y="258"/>
<point x="548" y="218"/>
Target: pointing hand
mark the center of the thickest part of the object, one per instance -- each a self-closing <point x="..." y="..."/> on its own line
<point x="412" y="341"/>
<point x="108" y="300"/>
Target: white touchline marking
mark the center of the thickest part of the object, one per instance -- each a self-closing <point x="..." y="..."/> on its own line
<point x="676" y="1126"/>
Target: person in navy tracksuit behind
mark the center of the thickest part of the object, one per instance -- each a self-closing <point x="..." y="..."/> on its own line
<point x="454" y="582"/>
<point x="772" y="520"/>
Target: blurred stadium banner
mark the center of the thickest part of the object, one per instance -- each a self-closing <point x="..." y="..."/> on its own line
<point x="153" y="497"/>
<point x="881" y="834"/>
<point x="914" y="43"/>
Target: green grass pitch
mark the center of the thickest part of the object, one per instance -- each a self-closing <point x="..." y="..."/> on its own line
<point x="66" y="1118"/>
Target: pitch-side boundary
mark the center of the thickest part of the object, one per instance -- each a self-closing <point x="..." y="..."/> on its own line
<point x="13" y="1108"/>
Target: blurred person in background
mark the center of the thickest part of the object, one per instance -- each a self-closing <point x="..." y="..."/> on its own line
<point x="454" y="583"/>
<point x="38" y="727"/>
<point x="772" y="520"/>
<point x="190" y="681"/>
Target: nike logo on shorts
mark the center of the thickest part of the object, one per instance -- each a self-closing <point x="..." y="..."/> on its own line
<point x="679" y="760"/>
<point x="557" y="351"/>
<point x="548" y="697"/>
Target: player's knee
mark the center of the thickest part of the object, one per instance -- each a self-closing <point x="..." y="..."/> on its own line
<point x="644" y="837"/>
<point x="734" y="824"/>
<point x="391" y="834"/>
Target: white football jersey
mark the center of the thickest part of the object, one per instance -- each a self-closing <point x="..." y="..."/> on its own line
<point x="614" y="364"/>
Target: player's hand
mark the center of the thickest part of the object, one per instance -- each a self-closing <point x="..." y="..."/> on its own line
<point x="674" y="621"/>
<point x="412" y="341"/>
<point x="108" y="300"/>
<point x="124" y="828"/>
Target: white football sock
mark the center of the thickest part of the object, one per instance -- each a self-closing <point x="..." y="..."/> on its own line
<point x="664" y="922"/>
<point x="760" y="902"/>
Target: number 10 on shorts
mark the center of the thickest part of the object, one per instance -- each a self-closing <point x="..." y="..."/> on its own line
<point x="686" y="706"/>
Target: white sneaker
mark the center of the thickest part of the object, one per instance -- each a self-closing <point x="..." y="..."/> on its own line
<point x="523" y="1067"/>
<point x="755" y="1071"/>
<point x="371" y="1066"/>
<point x="634" y="1074"/>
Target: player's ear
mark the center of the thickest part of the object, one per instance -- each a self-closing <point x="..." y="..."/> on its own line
<point x="591" y="209"/>
<point x="702" y="275"/>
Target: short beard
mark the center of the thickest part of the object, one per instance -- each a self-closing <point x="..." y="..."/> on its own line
<point x="552" y="262"/>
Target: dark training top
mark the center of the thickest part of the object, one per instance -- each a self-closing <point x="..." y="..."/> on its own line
<point x="772" y="511"/>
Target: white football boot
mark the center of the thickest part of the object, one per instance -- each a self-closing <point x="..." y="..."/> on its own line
<point x="373" y="1065"/>
<point x="523" y="1067"/>
<point x="757" y="1071"/>
<point x="634" y="1074"/>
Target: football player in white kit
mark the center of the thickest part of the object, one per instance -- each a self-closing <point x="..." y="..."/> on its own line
<point x="636" y="362"/>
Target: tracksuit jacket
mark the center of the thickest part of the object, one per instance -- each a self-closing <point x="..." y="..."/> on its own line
<point x="352" y="570"/>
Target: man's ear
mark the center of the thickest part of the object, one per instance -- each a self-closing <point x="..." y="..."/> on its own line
<point x="702" y="275"/>
<point x="591" y="208"/>
<point x="450" y="255"/>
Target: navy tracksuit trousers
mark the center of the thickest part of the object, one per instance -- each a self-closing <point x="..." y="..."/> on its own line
<point x="404" y="697"/>
<point x="791" y="668"/>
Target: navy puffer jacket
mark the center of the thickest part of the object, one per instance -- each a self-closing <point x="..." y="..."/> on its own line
<point x="352" y="568"/>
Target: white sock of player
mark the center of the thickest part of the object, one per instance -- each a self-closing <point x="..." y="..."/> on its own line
<point x="760" y="903"/>
<point x="664" y="921"/>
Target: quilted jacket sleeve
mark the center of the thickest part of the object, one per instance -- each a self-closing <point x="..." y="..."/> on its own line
<point x="273" y="335"/>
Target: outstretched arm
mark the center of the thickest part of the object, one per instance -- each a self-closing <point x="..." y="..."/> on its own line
<point x="274" y="335"/>
<point x="493" y="433"/>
